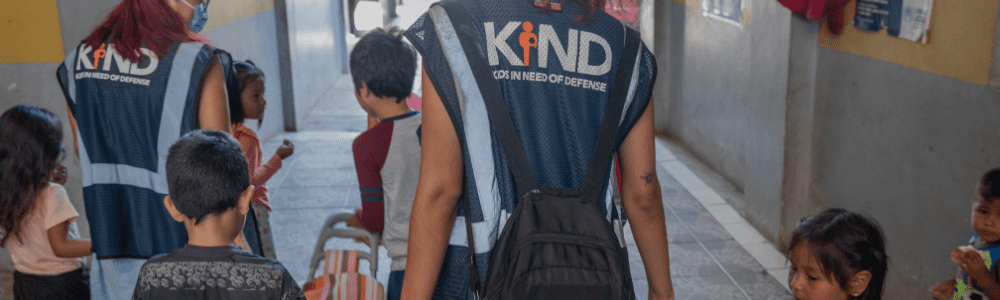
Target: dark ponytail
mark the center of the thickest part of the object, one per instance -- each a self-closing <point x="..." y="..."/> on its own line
<point x="845" y="243"/>
<point x="30" y="144"/>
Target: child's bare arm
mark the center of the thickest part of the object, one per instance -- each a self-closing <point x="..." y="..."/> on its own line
<point x="64" y="247"/>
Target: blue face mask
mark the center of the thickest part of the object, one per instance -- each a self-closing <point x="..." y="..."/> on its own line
<point x="200" y="16"/>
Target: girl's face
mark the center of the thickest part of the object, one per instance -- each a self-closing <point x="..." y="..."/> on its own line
<point x="986" y="219"/>
<point x="807" y="279"/>
<point x="253" y="100"/>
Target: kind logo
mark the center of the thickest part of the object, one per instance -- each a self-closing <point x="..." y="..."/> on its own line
<point x="574" y="54"/>
<point x="90" y="59"/>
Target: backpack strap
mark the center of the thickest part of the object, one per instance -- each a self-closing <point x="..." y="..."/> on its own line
<point x="605" y="144"/>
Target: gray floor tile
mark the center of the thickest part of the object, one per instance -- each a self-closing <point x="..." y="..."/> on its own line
<point x="704" y="227"/>
<point x="667" y="181"/>
<point x="686" y="210"/>
<point x="733" y="257"/>
<point x="686" y="260"/>
<point x="332" y="160"/>
<point x="681" y="201"/>
<point x="349" y="123"/>
<point x="316" y="197"/>
<point x="321" y="178"/>
<point x="641" y="287"/>
<point x="760" y="285"/>
<point x="706" y="288"/>
<point x="676" y="232"/>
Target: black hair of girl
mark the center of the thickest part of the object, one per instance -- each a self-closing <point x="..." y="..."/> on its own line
<point x="246" y="72"/>
<point x="30" y="144"/>
<point x="845" y="243"/>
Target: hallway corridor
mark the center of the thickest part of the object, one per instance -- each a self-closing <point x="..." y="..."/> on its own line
<point x="714" y="253"/>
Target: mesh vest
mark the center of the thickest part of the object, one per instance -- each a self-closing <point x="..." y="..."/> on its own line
<point x="128" y="115"/>
<point x="555" y="75"/>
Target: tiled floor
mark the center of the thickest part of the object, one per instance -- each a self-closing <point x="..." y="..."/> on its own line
<point x="708" y="261"/>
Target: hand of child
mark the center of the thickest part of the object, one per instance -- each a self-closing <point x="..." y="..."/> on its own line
<point x="363" y="239"/>
<point x="354" y="221"/>
<point x="59" y="174"/>
<point x="286" y="149"/>
<point x="943" y="290"/>
<point x="971" y="260"/>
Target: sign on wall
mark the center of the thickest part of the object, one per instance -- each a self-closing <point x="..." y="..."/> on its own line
<point x="962" y="34"/>
<point x="905" y="19"/>
<point x="872" y="15"/>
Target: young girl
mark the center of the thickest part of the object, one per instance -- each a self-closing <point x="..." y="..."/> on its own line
<point x="35" y="214"/>
<point x="837" y="254"/>
<point x="249" y="104"/>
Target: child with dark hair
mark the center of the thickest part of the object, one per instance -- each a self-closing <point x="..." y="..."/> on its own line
<point x="837" y="254"/>
<point x="210" y="193"/>
<point x="978" y="276"/>
<point x="37" y="219"/>
<point x="246" y="101"/>
<point x="387" y="156"/>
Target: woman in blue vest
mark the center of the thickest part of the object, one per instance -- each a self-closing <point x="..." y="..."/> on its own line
<point x="133" y="87"/>
<point x="555" y="62"/>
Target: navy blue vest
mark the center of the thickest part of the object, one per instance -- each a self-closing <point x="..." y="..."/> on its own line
<point x="128" y="115"/>
<point x="555" y="75"/>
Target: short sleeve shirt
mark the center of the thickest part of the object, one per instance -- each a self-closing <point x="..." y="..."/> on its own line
<point x="225" y="272"/>
<point x="32" y="253"/>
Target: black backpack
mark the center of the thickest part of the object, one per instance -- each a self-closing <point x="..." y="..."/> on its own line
<point x="556" y="244"/>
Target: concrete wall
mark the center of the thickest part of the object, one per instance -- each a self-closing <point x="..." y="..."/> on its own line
<point x="708" y="112"/>
<point x="800" y="128"/>
<point x="316" y="50"/>
<point x="720" y="91"/>
<point x="906" y="147"/>
<point x="255" y="38"/>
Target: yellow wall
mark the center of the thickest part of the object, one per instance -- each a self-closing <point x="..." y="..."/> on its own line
<point x="960" y="45"/>
<point x="223" y="12"/>
<point x="30" y="32"/>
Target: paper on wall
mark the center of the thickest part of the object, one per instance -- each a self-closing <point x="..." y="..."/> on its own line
<point x="915" y="20"/>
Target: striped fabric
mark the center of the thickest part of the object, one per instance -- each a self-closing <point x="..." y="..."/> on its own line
<point x="340" y="261"/>
<point x="354" y="286"/>
<point x="341" y="281"/>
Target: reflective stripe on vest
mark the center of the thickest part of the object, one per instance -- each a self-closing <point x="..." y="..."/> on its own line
<point x="172" y="115"/>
